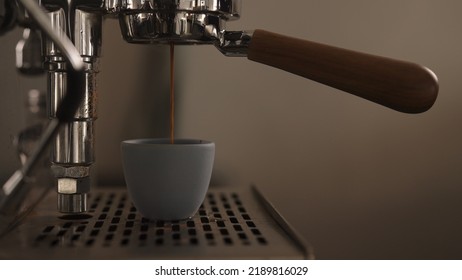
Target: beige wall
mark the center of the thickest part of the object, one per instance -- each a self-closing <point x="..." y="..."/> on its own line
<point x="355" y="179"/>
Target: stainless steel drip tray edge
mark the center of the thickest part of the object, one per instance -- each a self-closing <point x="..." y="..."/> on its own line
<point x="308" y="250"/>
<point x="232" y="223"/>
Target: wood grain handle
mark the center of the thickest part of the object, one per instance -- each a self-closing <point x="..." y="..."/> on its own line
<point x="400" y="85"/>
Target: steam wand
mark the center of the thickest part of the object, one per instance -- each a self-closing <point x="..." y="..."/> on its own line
<point x="65" y="111"/>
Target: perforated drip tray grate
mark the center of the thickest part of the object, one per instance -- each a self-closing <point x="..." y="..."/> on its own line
<point x="231" y="224"/>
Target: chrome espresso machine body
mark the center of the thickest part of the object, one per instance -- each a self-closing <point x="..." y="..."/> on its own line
<point x="63" y="38"/>
<point x="147" y="22"/>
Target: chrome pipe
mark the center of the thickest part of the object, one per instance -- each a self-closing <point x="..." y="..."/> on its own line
<point x="73" y="148"/>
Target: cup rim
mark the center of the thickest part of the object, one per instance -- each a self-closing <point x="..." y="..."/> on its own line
<point x="166" y="141"/>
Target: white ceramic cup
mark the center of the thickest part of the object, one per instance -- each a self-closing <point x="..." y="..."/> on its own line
<point x="167" y="181"/>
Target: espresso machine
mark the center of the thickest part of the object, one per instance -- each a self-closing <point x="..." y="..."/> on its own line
<point x="63" y="39"/>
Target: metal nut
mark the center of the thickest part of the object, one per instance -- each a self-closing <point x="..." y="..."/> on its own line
<point x="73" y="185"/>
<point x="70" y="171"/>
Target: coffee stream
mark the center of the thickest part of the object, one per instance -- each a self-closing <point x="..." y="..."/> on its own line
<point x="172" y="93"/>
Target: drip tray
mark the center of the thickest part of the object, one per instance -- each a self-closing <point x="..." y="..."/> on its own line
<point x="232" y="223"/>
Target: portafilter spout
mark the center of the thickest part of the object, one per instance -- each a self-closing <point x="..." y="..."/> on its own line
<point x="400" y="85"/>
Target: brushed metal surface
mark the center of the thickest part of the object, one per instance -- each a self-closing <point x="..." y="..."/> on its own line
<point x="232" y="223"/>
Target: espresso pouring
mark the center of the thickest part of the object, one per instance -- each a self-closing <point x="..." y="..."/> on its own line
<point x="172" y="93"/>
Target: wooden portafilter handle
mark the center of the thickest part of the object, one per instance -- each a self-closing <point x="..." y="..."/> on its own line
<point x="403" y="86"/>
